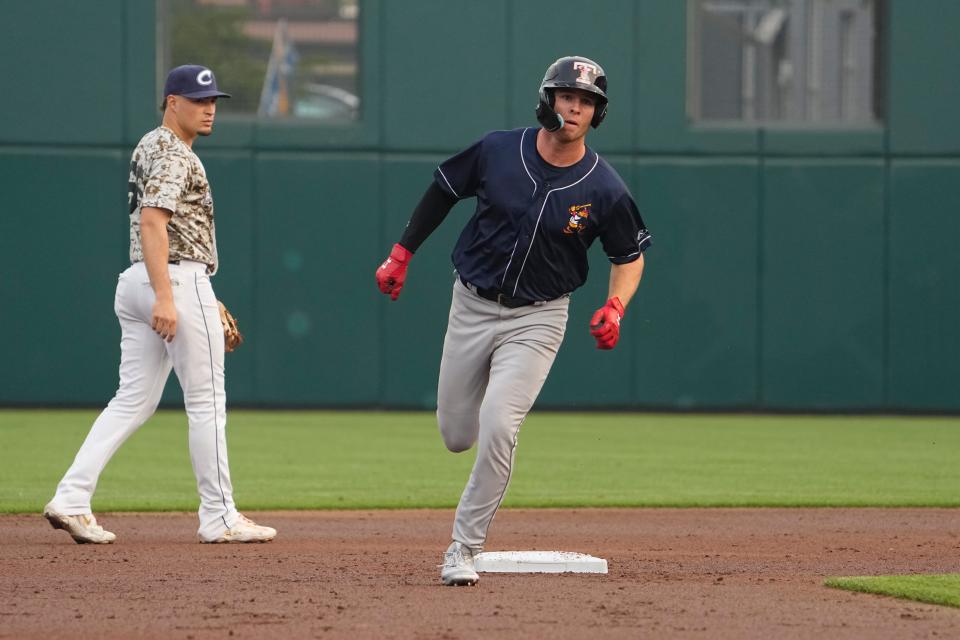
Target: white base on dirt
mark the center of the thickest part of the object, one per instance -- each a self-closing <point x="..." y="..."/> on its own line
<point x="538" y="562"/>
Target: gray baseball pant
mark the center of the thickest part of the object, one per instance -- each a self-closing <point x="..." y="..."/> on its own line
<point x="495" y="361"/>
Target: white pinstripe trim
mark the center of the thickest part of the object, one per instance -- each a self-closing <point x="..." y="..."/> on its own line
<point x="213" y="382"/>
<point x="509" y="262"/>
<point x="537" y="226"/>
<point x="524" y="162"/>
<point x="513" y="458"/>
<point x="448" y="182"/>
<point x="645" y="241"/>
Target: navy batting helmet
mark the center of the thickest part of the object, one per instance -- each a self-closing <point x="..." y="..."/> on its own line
<point x="571" y="72"/>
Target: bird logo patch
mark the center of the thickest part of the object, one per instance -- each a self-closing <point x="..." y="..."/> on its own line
<point x="578" y="218"/>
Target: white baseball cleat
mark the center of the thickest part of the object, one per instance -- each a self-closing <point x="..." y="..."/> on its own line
<point x="82" y="528"/>
<point x="245" y="530"/>
<point x="457" y="568"/>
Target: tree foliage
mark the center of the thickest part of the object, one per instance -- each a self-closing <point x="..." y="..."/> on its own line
<point x="213" y="36"/>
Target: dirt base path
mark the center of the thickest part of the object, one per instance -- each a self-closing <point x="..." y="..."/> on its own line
<point x="684" y="573"/>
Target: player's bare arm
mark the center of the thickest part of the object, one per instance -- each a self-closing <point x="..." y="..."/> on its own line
<point x="624" y="280"/>
<point x="156" y="253"/>
<point x="605" y="323"/>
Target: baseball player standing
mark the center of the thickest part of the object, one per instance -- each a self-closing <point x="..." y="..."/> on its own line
<point x="169" y="318"/>
<point x="543" y="197"/>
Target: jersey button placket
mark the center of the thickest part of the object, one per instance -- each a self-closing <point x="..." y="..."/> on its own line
<point x="527" y="230"/>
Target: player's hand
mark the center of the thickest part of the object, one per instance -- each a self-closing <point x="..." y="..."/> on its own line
<point x="164" y="320"/>
<point x="393" y="271"/>
<point x="605" y="324"/>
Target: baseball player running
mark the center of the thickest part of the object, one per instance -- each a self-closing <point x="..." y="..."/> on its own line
<point x="543" y="197"/>
<point x="169" y="318"/>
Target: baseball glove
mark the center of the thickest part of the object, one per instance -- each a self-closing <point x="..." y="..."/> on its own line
<point x="232" y="338"/>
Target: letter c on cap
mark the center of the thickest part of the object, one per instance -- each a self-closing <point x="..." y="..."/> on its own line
<point x="205" y="77"/>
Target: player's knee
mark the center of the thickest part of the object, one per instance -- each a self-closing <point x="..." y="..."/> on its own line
<point x="458" y="432"/>
<point x="456" y="445"/>
<point x="133" y="399"/>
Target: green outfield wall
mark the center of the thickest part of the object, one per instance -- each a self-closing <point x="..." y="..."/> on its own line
<point x="791" y="269"/>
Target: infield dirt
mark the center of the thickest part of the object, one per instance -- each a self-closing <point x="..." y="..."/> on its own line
<point x="684" y="573"/>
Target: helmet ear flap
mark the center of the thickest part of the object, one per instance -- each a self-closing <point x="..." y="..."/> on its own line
<point x="546" y="116"/>
<point x="598" y="115"/>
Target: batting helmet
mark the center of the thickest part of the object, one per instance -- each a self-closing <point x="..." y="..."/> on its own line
<point x="571" y="72"/>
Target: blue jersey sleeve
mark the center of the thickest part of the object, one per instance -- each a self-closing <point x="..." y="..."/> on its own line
<point x="624" y="235"/>
<point x="461" y="175"/>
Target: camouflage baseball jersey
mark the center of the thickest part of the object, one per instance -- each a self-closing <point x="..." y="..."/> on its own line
<point x="165" y="173"/>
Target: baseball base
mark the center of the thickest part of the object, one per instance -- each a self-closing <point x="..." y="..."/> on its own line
<point x="538" y="562"/>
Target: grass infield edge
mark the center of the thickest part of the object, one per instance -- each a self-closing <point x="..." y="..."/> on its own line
<point x="940" y="589"/>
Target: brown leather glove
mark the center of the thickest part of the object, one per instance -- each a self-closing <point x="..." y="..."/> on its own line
<point x="232" y="338"/>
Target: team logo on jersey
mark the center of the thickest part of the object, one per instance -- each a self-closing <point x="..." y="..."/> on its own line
<point x="587" y="72"/>
<point x="578" y="218"/>
<point x="205" y="77"/>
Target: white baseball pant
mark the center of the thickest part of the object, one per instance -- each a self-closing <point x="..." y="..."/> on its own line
<point x="196" y="355"/>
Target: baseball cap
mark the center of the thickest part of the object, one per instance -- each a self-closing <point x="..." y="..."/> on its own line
<point x="192" y="81"/>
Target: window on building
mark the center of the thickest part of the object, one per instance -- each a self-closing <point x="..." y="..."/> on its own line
<point x="817" y="62"/>
<point x="278" y="58"/>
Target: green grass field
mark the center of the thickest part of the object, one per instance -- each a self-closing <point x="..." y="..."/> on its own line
<point x="324" y="460"/>
<point x="933" y="589"/>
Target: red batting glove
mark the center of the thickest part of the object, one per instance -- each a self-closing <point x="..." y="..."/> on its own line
<point x="393" y="271"/>
<point x="605" y="324"/>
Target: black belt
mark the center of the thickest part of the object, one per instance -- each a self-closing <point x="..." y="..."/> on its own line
<point x="497" y="296"/>
<point x="173" y="262"/>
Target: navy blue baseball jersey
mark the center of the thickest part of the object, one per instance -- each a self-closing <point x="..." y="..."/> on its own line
<point x="534" y="222"/>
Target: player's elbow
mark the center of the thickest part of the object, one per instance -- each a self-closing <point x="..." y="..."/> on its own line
<point x="152" y="219"/>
